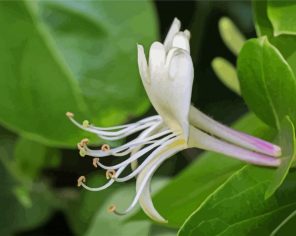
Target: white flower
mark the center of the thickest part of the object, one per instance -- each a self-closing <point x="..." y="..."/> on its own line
<point x="168" y="79"/>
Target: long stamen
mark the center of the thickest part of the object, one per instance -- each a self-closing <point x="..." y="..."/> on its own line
<point x="126" y="147"/>
<point x="138" y="154"/>
<point x="115" y="135"/>
<point x="144" y="163"/>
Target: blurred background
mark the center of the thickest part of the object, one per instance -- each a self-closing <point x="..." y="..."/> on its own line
<point x="80" y="56"/>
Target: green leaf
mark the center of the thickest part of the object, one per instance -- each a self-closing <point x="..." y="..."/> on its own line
<point x="78" y="56"/>
<point x="231" y="35"/>
<point x="287" y="142"/>
<point x="187" y="191"/>
<point x="267" y="82"/>
<point x="226" y="72"/>
<point x="30" y="157"/>
<point x="285" y="43"/>
<point x="282" y="16"/>
<point x="238" y="206"/>
<point x="22" y="208"/>
<point x="287" y="227"/>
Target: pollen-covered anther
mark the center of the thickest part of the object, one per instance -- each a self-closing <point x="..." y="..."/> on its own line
<point x="111" y="208"/>
<point x="95" y="162"/>
<point x="85" y="124"/>
<point x="84" y="142"/>
<point x="81" y="180"/>
<point x="69" y="114"/>
<point x="82" y="152"/>
<point x="110" y="174"/>
<point x="105" y="148"/>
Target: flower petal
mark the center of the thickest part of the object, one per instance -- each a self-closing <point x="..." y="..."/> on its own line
<point x="142" y="64"/>
<point x="175" y="28"/>
<point x="144" y="178"/>
<point x="157" y="57"/>
<point x="181" y="40"/>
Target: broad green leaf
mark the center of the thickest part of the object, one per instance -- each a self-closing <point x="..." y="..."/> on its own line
<point x="21" y="208"/>
<point x="238" y="206"/>
<point x="78" y="56"/>
<point x="267" y="82"/>
<point x="286" y="139"/>
<point x="231" y="35"/>
<point x="187" y="191"/>
<point x="282" y="16"/>
<point x="30" y="157"/>
<point x="285" y="43"/>
<point x="226" y="72"/>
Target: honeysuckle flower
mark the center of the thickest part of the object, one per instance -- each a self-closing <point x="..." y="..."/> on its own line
<point x="167" y="78"/>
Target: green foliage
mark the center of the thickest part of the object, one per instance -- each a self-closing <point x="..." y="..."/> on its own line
<point x="286" y="44"/>
<point x="238" y="206"/>
<point x="59" y="56"/>
<point x="23" y="206"/>
<point x="286" y="139"/>
<point x="80" y="56"/>
<point x="282" y="16"/>
<point x="267" y="82"/>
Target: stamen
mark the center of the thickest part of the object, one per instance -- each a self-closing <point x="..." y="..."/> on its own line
<point x="95" y="162"/>
<point x="69" y="114"/>
<point x="138" y="169"/>
<point x="105" y="148"/>
<point x="81" y="180"/>
<point x="128" y="147"/>
<point x="111" y="208"/>
<point x="110" y="174"/>
<point x="138" y="154"/>
<point x="117" y="132"/>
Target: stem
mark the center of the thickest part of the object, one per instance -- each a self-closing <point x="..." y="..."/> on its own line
<point x="199" y="139"/>
<point x="207" y="124"/>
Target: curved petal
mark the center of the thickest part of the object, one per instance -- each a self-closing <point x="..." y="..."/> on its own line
<point x="144" y="178"/>
<point x="175" y="28"/>
<point x="142" y="64"/>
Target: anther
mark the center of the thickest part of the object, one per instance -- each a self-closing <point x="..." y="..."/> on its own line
<point x="110" y="174"/>
<point x="70" y="114"/>
<point x="84" y="141"/>
<point x="105" y="148"/>
<point x="82" y="152"/>
<point x="79" y="146"/>
<point x="81" y="180"/>
<point x="85" y="124"/>
<point x="111" y="208"/>
<point x="95" y="162"/>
